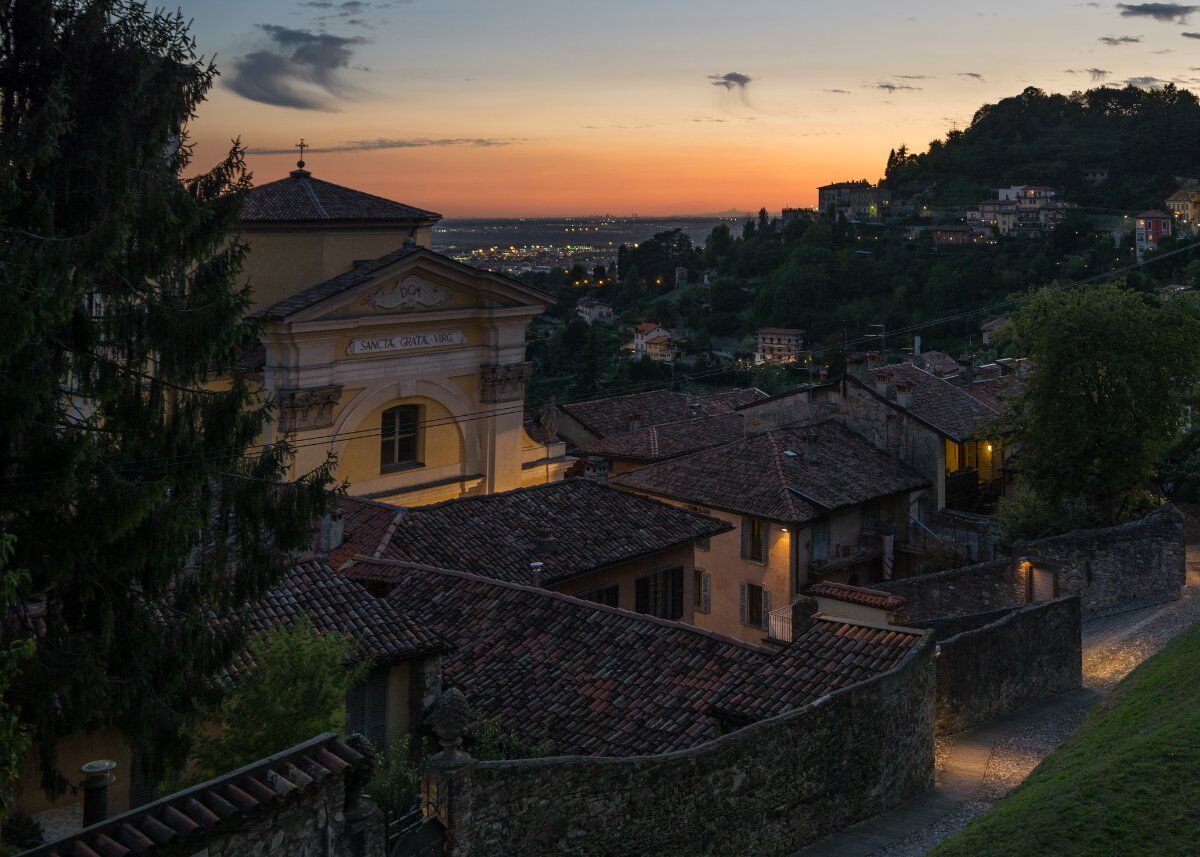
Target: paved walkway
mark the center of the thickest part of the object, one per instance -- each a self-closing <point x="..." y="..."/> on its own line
<point x="978" y="767"/>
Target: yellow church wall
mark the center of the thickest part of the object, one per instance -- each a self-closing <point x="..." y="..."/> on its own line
<point x="440" y="443"/>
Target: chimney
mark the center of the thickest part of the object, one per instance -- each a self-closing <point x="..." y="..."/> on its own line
<point x="544" y="541"/>
<point x="97" y="777"/>
<point x="966" y="365"/>
<point x="635" y="422"/>
<point x="904" y="393"/>
<point x="823" y="375"/>
<point x="333" y="531"/>
<point x="874" y="359"/>
<point x="883" y="382"/>
<point x="535" y="574"/>
<point x="916" y="345"/>
<point x="596" y="469"/>
<point x="856" y="365"/>
<point x="694" y="408"/>
<point x="810" y="447"/>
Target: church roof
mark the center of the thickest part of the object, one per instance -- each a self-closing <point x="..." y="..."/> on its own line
<point x="299" y="198"/>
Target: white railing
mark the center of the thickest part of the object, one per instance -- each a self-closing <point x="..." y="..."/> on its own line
<point x="780" y="624"/>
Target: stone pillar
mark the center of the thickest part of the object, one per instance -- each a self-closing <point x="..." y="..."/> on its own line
<point x="444" y="783"/>
<point x="502" y="394"/>
<point x="362" y="830"/>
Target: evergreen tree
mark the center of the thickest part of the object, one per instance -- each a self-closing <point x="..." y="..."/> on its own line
<point x="139" y="494"/>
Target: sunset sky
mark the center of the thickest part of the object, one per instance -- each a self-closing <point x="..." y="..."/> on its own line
<point x="549" y="107"/>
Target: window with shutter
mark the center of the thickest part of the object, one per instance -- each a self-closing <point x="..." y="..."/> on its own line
<point x="820" y="538"/>
<point x="754" y="539"/>
<point x="754" y="599"/>
<point x="742" y="598"/>
<point x="660" y="594"/>
<point x="366" y="709"/>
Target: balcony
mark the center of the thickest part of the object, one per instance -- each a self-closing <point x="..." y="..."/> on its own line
<point x="868" y="546"/>
<point x="779" y="626"/>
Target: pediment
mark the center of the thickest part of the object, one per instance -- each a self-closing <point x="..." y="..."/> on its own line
<point x="424" y="283"/>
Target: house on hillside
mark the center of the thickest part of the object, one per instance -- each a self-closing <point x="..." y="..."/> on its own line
<point x="801" y="505"/>
<point x="989" y="327"/>
<point x="592" y="311"/>
<point x="1150" y="228"/>
<point x="778" y="345"/>
<point x="1184" y="204"/>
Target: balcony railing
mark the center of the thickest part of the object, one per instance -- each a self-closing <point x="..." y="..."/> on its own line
<point x="867" y="547"/>
<point x="779" y="628"/>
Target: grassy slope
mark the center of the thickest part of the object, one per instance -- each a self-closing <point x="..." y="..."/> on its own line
<point x="1127" y="782"/>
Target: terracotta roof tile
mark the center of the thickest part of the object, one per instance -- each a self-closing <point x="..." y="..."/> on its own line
<point x="187" y="816"/>
<point x="334" y="604"/>
<point x="365" y="524"/>
<point x="670" y="440"/>
<point x="499" y="535"/>
<point x="597" y="680"/>
<point x="767" y="475"/>
<point x="299" y="198"/>
<point x="606" y="417"/>
<point x="946" y="407"/>
<point x="829" y="655"/>
<point x="857" y="595"/>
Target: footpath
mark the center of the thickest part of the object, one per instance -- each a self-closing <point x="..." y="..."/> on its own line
<point x="976" y="768"/>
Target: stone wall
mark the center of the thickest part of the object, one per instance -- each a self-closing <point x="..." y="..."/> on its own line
<point x="1141" y="561"/>
<point x="766" y="789"/>
<point x="959" y="591"/>
<point x="300" y="828"/>
<point x="1025" y="655"/>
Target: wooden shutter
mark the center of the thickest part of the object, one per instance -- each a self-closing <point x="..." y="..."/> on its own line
<point x="745" y="528"/>
<point x="366" y="709"/>
<point x="766" y="608"/>
<point x="743" y="602"/>
<point x="674" y="586"/>
<point x="705" y="592"/>
<point x="642" y="595"/>
<point x="765" y="551"/>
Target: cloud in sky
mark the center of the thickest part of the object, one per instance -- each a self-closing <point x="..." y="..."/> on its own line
<point x="1114" y="41"/>
<point x="1097" y="74"/>
<point x="731" y="80"/>
<point x="298" y="68"/>
<point x="889" y="86"/>
<point x="1191" y="35"/>
<point x="1171" y="12"/>
<point x="838" y="91"/>
<point x="397" y="143"/>
<point x="1146" y="82"/>
<point x="974" y="75"/>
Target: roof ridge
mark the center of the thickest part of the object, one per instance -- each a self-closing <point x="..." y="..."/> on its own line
<point x="559" y="596"/>
<point x="945" y="381"/>
<point x="312" y="195"/>
<point x="783" y="481"/>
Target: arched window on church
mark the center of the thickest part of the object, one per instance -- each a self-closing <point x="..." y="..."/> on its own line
<point x="400" y="439"/>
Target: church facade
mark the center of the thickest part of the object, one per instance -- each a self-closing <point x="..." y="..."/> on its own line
<point x="405" y="364"/>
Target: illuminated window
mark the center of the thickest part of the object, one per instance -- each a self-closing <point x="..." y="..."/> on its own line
<point x="400" y="438"/>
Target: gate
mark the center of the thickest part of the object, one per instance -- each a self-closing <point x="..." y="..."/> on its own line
<point x="412" y="835"/>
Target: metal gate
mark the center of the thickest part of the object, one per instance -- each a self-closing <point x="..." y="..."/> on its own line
<point x="412" y="835"/>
